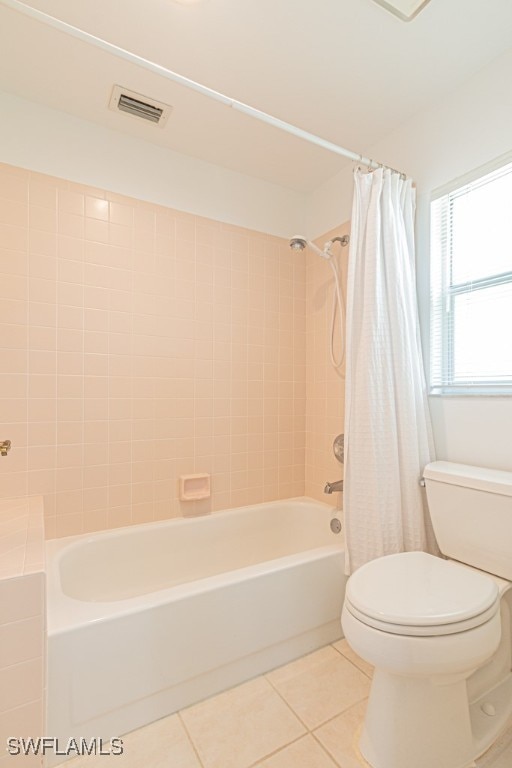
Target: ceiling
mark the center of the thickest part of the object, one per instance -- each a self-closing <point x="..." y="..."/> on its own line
<point x="346" y="70"/>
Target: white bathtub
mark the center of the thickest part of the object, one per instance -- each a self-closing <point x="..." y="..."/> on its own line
<point x="148" y="619"/>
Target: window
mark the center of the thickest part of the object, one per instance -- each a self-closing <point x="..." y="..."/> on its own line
<point x="471" y="285"/>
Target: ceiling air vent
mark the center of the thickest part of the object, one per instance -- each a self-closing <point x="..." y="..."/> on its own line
<point x="139" y="106"/>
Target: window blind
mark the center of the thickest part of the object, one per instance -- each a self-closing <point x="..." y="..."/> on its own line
<point x="471" y="286"/>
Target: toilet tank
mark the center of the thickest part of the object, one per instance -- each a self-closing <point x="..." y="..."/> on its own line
<point x="471" y="511"/>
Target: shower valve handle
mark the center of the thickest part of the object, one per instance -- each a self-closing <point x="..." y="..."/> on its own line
<point x="5" y="447"/>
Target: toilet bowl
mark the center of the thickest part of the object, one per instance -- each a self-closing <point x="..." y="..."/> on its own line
<point x="438" y="634"/>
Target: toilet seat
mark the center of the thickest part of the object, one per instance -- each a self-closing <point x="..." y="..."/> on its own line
<point x="417" y="594"/>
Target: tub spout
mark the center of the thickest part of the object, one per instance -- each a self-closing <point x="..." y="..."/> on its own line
<point x="332" y="487"/>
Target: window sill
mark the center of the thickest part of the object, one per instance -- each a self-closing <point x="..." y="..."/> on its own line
<point x="470" y="392"/>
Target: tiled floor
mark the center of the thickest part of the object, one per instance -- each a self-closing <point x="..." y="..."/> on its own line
<point x="306" y="714"/>
<point x="303" y="715"/>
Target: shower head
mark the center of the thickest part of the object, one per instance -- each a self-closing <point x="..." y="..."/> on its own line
<point x="298" y="243"/>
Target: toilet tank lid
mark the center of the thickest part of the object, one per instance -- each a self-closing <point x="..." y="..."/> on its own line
<point x="468" y="476"/>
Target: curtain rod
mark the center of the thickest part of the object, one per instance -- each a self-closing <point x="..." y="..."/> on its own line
<point x="239" y="106"/>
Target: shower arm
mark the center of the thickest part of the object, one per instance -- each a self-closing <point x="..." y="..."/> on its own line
<point x="343" y="240"/>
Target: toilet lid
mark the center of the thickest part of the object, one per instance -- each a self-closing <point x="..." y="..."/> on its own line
<point x="416" y="593"/>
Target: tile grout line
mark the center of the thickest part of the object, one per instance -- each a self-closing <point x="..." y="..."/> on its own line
<point x="261" y="760"/>
<point x="289" y="706"/>
<point x="350" y="661"/>
<point x="270" y="754"/>
<point x="330" y="719"/>
<point x="189" y="737"/>
<point x="310" y="731"/>
<point x="324" y="749"/>
<point x="356" y="751"/>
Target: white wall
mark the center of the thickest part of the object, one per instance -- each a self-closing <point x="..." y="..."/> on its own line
<point x="465" y="130"/>
<point x="46" y="140"/>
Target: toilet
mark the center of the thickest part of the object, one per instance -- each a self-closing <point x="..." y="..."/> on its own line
<point x="438" y="629"/>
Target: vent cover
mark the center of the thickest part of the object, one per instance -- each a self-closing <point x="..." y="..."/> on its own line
<point x="135" y="104"/>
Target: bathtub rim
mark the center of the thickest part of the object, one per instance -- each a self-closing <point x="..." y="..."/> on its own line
<point x="66" y="614"/>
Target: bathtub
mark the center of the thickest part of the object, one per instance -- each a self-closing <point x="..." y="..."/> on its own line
<point x="148" y="619"/>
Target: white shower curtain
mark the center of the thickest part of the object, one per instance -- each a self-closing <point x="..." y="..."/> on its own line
<point x="388" y="436"/>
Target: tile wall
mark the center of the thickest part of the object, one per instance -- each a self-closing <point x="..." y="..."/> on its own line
<point x="138" y="343"/>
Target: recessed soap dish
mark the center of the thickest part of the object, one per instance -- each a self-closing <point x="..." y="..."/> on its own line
<point x="195" y="487"/>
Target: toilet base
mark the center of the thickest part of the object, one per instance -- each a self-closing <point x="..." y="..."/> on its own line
<point x="420" y="722"/>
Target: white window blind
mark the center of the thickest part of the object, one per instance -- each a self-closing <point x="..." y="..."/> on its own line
<point x="471" y="286"/>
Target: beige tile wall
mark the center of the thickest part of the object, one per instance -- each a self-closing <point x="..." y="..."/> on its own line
<point x="325" y="385"/>
<point x="138" y="343"/>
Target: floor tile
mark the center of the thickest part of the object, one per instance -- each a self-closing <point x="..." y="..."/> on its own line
<point x="163" y="744"/>
<point x="305" y="753"/>
<point x="343" y="647"/>
<point x="320" y="686"/>
<point x="239" y="727"/>
<point x="340" y="737"/>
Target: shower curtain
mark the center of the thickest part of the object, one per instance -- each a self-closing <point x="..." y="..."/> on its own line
<point x="388" y="436"/>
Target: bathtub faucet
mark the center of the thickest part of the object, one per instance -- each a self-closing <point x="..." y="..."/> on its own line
<point x="332" y="487"/>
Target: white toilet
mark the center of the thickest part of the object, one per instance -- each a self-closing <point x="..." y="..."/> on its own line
<point x="438" y="632"/>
